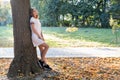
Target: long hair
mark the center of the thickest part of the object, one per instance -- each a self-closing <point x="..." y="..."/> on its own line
<point x="31" y="13"/>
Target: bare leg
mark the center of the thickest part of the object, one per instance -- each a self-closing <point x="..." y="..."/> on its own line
<point x="43" y="48"/>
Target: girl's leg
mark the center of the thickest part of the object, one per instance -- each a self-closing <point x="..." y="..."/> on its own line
<point x="41" y="49"/>
<point x="44" y="47"/>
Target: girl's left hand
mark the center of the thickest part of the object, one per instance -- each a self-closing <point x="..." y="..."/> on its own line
<point x="43" y="39"/>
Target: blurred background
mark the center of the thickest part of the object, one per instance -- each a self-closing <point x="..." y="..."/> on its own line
<point x="70" y="23"/>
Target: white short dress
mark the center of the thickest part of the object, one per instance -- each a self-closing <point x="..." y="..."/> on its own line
<point x="35" y="39"/>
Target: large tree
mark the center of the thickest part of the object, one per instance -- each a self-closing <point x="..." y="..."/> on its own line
<point x="25" y="57"/>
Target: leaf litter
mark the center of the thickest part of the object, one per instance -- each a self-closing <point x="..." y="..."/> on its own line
<point x="73" y="69"/>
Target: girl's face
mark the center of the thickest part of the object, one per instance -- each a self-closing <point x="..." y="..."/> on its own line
<point x="35" y="13"/>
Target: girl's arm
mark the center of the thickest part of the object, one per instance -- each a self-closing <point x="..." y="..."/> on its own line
<point x="42" y="36"/>
<point x="35" y="31"/>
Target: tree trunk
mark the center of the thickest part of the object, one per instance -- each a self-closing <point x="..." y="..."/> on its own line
<point x="25" y="57"/>
<point x="83" y="20"/>
<point x="63" y="21"/>
<point x="76" y="21"/>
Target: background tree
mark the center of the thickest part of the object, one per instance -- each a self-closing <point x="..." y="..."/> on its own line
<point x="80" y="13"/>
<point x="5" y="13"/>
<point x="25" y="57"/>
<point x="53" y="12"/>
<point x="115" y="9"/>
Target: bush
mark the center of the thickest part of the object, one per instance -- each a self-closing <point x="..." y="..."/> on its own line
<point x="66" y="23"/>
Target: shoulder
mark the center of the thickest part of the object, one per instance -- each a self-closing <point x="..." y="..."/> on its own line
<point x="32" y="19"/>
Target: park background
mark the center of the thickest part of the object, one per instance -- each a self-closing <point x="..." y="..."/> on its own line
<point x="97" y="22"/>
<point x="73" y="23"/>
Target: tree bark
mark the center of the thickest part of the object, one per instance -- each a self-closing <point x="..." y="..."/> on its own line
<point x="25" y="56"/>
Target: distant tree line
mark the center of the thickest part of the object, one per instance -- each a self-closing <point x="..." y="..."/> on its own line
<point x="5" y="13"/>
<point x="79" y="13"/>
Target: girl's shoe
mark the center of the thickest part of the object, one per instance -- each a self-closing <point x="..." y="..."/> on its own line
<point x="40" y="63"/>
<point x="45" y="66"/>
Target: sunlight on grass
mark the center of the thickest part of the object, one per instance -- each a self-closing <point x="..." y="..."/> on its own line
<point x="58" y="37"/>
<point x="6" y="37"/>
<point x="83" y="37"/>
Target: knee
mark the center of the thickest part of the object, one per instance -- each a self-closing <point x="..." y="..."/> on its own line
<point x="46" y="46"/>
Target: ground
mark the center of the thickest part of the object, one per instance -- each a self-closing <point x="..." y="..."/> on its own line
<point x="73" y="69"/>
<point x="70" y="68"/>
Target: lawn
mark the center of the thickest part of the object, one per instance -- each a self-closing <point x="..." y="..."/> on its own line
<point x="58" y="37"/>
<point x="6" y="37"/>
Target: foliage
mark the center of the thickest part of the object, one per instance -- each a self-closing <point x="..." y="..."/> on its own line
<point x="115" y="29"/>
<point x="5" y="13"/>
<point x="54" y="12"/>
<point x="114" y="24"/>
<point x="82" y="13"/>
<point x="115" y="19"/>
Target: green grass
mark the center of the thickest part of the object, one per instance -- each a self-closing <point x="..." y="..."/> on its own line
<point x="87" y="37"/>
<point x="6" y="37"/>
<point x="58" y="37"/>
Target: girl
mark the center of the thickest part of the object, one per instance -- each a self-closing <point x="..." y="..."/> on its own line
<point x="38" y="39"/>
